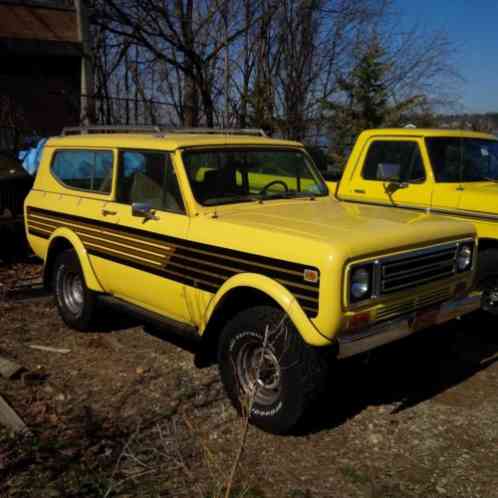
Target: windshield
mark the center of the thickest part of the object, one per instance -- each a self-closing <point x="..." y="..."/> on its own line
<point x="463" y="159"/>
<point x="224" y="176"/>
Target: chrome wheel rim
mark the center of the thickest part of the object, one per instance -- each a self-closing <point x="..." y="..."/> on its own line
<point x="73" y="293"/>
<point x="259" y="372"/>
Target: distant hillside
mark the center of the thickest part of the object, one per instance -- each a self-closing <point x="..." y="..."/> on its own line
<point x="487" y="122"/>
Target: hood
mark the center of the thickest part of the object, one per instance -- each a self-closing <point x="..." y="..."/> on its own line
<point x="355" y="229"/>
<point x="480" y="196"/>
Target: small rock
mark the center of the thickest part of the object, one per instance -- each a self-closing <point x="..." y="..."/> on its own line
<point x="140" y="371"/>
<point x="60" y="397"/>
<point x="375" y="438"/>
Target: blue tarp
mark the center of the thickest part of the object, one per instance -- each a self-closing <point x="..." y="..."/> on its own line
<point x="30" y="158"/>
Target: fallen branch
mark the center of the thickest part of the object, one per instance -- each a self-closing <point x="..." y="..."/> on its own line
<point x="245" y="423"/>
<point x="49" y="349"/>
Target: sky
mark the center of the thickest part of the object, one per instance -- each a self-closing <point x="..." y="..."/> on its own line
<point x="472" y="25"/>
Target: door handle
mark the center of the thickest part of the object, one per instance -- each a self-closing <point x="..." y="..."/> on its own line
<point x="359" y="191"/>
<point x="107" y="212"/>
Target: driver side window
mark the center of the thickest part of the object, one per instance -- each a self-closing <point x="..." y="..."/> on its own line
<point x="394" y="161"/>
<point x="148" y="177"/>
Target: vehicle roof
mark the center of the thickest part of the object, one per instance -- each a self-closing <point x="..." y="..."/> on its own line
<point x="164" y="141"/>
<point x="427" y="132"/>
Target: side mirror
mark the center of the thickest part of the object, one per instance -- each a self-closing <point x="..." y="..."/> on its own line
<point x="390" y="172"/>
<point x="392" y="187"/>
<point x="143" y="210"/>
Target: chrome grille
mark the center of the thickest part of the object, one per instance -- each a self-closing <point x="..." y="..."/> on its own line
<point x="409" y="270"/>
<point x="413" y="304"/>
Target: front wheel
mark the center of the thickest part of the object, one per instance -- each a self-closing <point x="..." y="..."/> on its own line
<point x="75" y="302"/>
<point x="269" y="372"/>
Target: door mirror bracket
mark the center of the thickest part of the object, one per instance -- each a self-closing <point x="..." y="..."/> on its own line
<point x="392" y="187"/>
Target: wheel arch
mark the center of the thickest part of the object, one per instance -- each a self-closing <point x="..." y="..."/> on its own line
<point x="247" y="290"/>
<point x="64" y="239"/>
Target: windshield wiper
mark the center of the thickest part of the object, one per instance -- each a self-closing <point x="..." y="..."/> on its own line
<point x="494" y="180"/>
<point x="289" y="195"/>
<point x="277" y="195"/>
<point x="231" y="200"/>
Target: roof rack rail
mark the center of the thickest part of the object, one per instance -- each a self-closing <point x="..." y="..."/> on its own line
<point x="218" y="131"/>
<point x="80" y="130"/>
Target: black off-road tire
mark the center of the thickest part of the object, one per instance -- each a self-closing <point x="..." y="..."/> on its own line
<point x="301" y="368"/>
<point x="75" y="302"/>
<point x="487" y="279"/>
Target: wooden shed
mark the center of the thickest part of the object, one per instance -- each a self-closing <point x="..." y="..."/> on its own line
<point x="40" y="72"/>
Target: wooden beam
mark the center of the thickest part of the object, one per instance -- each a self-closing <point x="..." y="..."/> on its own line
<point x="9" y="368"/>
<point x="87" y="102"/>
<point x="10" y="418"/>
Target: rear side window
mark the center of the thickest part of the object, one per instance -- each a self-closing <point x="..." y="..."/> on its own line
<point x="84" y="169"/>
<point x="395" y="161"/>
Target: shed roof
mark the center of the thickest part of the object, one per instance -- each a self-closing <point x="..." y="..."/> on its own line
<point x="38" y="22"/>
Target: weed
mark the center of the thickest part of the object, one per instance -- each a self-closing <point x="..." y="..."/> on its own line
<point x="354" y="475"/>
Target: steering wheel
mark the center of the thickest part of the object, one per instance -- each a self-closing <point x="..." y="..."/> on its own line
<point x="274" y="182"/>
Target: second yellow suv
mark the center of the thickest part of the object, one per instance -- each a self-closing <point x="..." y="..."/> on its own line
<point x="232" y="238"/>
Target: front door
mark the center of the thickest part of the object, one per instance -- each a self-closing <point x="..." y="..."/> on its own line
<point x="150" y="219"/>
<point x="391" y="172"/>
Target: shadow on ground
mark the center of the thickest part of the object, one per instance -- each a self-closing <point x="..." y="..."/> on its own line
<point x="404" y="373"/>
<point x="407" y="372"/>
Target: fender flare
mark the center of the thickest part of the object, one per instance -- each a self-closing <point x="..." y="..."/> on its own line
<point x="88" y="273"/>
<point x="279" y="294"/>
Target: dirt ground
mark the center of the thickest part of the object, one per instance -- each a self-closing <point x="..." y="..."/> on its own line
<point x="125" y="413"/>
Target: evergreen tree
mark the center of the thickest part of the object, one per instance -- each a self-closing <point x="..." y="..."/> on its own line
<point x="365" y="102"/>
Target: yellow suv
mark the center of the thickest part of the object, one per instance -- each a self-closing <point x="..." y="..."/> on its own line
<point x="232" y="237"/>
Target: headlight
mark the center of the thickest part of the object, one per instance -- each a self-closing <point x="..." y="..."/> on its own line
<point x="464" y="258"/>
<point x="360" y="283"/>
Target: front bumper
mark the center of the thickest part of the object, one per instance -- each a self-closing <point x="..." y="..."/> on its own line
<point x="353" y="343"/>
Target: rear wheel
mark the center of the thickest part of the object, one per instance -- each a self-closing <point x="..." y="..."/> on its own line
<point x="76" y="303"/>
<point x="487" y="279"/>
<point x="268" y="371"/>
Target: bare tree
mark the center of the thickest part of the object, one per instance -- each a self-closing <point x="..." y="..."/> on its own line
<point x="264" y="63"/>
<point x="180" y="36"/>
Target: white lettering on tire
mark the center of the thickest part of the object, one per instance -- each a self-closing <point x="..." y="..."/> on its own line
<point x="267" y="413"/>
<point x="240" y="336"/>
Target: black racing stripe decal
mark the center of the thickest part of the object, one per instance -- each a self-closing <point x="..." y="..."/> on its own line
<point x="248" y="258"/>
<point x="116" y="258"/>
<point x="37" y="233"/>
<point x="193" y="281"/>
<point x="181" y="243"/>
<point x="91" y="241"/>
<point x="237" y="264"/>
<point x="305" y="292"/>
<point x="215" y="264"/>
<point x="194" y="264"/>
